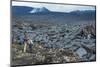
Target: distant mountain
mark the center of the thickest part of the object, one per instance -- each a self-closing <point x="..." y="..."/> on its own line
<point x="21" y="9"/>
<point x="37" y="10"/>
<point x="83" y="12"/>
<point x="42" y="14"/>
<point x="86" y="14"/>
<point x="28" y="10"/>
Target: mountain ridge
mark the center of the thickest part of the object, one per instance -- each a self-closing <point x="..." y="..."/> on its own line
<point x="30" y="10"/>
<point x="27" y="9"/>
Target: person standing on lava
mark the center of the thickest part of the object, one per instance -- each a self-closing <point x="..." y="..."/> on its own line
<point x="27" y="43"/>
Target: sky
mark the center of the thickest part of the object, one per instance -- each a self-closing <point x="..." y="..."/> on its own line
<point x="54" y="7"/>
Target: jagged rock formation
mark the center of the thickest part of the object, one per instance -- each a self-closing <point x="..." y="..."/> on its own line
<point x="54" y="44"/>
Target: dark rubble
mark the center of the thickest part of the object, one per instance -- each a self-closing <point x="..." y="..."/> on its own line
<point x="54" y="43"/>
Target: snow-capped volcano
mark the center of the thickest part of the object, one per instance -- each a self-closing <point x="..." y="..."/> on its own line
<point x="37" y="10"/>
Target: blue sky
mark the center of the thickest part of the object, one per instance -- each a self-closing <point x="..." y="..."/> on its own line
<point x="54" y="7"/>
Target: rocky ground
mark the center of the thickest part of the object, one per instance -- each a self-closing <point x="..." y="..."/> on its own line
<point x="59" y="43"/>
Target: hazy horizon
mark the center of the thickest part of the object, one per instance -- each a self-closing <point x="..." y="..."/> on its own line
<point x="55" y="7"/>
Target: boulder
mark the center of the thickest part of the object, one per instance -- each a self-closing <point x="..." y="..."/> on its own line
<point x="81" y="52"/>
